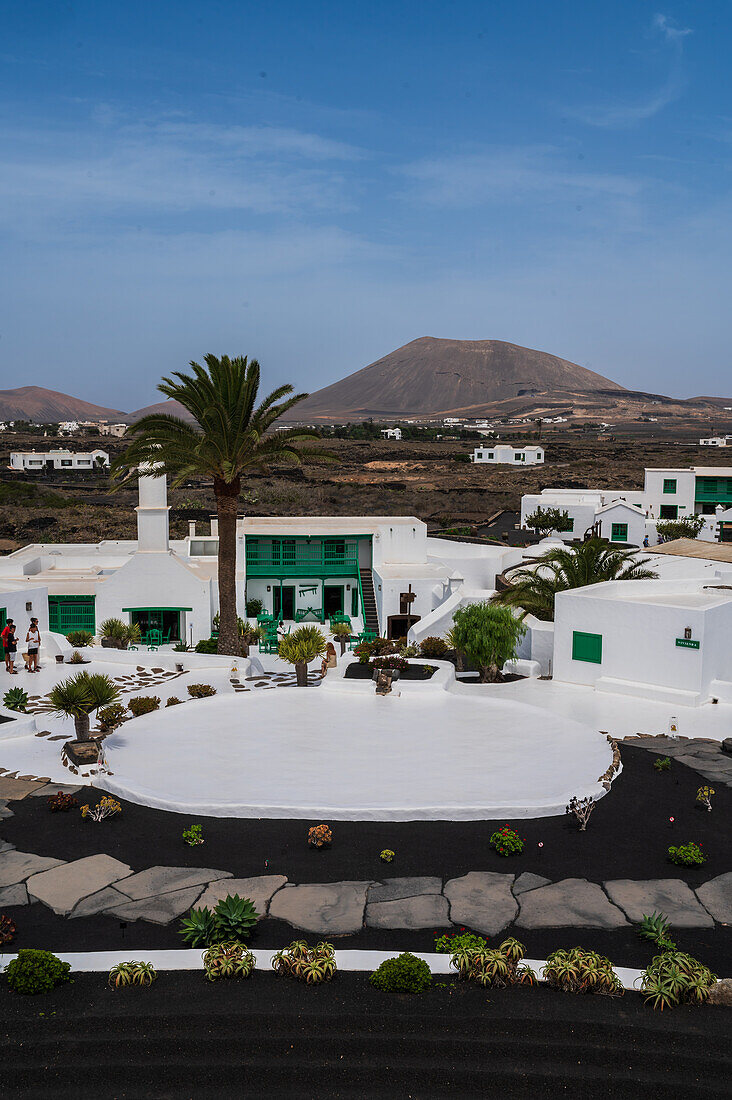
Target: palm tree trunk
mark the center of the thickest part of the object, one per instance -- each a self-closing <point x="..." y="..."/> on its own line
<point x="81" y="726"/>
<point x="301" y="673"/>
<point x="227" y="501"/>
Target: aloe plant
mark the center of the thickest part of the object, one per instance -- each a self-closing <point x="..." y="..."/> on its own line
<point x="16" y="699"/>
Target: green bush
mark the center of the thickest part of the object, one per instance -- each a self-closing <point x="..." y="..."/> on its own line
<point x="143" y="704"/>
<point x="507" y="842"/>
<point x="36" y="972"/>
<point x="675" y="978"/>
<point x="201" y="691"/>
<point x="405" y="974"/>
<point x="114" y="628"/>
<point x="79" y="638"/>
<point x="172" y="701"/>
<point x="16" y="699"/>
<point x="254" y="608"/>
<point x="231" y="921"/>
<point x="687" y="855"/>
<point x="112" y="716"/>
<point x="433" y="648"/>
<point x="207" y="645"/>
<point x="662" y="764"/>
<point x="450" y="942"/>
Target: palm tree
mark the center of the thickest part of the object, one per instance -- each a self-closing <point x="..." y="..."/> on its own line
<point x="534" y="588"/>
<point x="228" y="436"/>
<point x="78" y="696"/>
<point x="299" y="648"/>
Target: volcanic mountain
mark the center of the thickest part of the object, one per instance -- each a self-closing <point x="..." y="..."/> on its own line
<point x="433" y="377"/>
<point x="49" y="407"/>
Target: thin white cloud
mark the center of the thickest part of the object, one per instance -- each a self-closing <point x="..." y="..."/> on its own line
<point x="622" y="114"/>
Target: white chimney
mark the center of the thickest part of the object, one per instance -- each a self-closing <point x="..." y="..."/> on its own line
<point x="152" y="513"/>
<point x="191" y="528"/>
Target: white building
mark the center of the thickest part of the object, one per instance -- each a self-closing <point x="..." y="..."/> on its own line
<point x="507" y="455"/>
<point x="716" y="441"/>
<point x="381" y="571"/>
<point x="391" y="433"/>
<point x="68" y="427"/>
<point x="117" y="430"/>
<point x="59" y="459"/>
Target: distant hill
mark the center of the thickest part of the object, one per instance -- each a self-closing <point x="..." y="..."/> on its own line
<point x="433" y="377"/>
<point x="48" y="406"/>
<point x="172" y="408"/>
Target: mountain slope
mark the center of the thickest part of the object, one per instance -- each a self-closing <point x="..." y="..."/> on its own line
<point x="430" y="376"/>
<point x="49" y="406"/>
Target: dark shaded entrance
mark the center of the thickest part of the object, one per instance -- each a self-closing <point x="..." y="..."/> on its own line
<point x="332" y="599"/>
<point x="284" y="602"/>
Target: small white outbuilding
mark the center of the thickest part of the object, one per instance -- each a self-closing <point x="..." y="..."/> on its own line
<point x="507" y="455"/>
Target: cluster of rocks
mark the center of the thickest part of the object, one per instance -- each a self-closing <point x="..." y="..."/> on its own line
<point x="607" y="776"/>
<point x="711" y="759"/>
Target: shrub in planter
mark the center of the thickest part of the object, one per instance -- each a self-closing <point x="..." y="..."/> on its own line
<point x="131" y="973"/>
<point x="114" y="634"/>
<point x="7" y="929"/>
<point x="77" y="658"/>
<point x="172" y="701"/>
<point x="143" y="704"/>
<point x="404" y="974"/>
<point x="81" y="694"/>
<point x="79" y="639"/>
<point x="207" y="645"/>
<point x="36" y="972"/>
<point x="300" y="648"/>
<point x="61" y="803"/>
<point x="507" y="842"/>
<point x="228" y="960"/>
<point x="675" y="978"/>
<point x="391" y="663"/>
<point x="181" y="647"/>
<point x="201" y="691"/>
<point x="308" y="964"/>
<point x="433" y="647"/>
<point x="16" y="699"/>
<point x="112" y="716"/>
<point x="319" y="836"/>
<point x="450" y="943"/>
<point x="687" y="855"/>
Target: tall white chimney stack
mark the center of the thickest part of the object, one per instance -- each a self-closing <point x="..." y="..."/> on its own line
<point x="152" y="512"/>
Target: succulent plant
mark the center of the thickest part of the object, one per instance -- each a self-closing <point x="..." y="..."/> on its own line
<point x="228" y="960"/>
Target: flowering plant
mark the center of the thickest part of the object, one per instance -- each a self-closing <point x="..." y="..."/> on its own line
<point x="386" y="856"/>
<point x="687" y="855"/>
<point x="105" y="808"/>
<point x="319" y="836"/>
<point x="704" y="796"/>
<point x="507" y="842"/>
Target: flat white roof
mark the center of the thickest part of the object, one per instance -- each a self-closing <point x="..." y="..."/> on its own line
<point x="692" y="592"/>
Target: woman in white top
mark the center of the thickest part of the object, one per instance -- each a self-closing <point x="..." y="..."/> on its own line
<point x="33" y="639"/>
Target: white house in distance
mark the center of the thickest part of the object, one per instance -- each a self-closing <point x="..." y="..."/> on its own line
<point x="667" y="494"/>
<point x="117" y="430"/>
<point x="381" y="571"/>
<point x="59" y="459"/>
<point x="716" y="441"/>
<point x="391" y="433"/>
<point x="507" y="455"/>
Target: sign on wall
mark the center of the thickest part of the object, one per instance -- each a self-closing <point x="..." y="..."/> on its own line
<point x="687" y="643"/>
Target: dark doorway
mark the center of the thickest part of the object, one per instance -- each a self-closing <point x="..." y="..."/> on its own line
<point x="398" y="625"/>
<point x="332" y="599"/>
<point x="287" y="607"/>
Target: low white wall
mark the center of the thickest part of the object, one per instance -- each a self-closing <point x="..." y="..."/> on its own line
<point x="167" y="659"/>
<point x="22" y="725"/>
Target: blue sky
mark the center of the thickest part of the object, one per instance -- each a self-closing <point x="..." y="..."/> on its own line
<point x="315" y="184"/>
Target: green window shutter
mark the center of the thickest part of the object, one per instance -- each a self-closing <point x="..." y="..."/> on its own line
<point x="587" y="647"/>
<point x="669" y="485"/>
<point x="67" y="613"/>
<point x="619" y="532"/>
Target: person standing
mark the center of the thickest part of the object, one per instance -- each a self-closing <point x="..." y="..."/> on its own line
<point x="10" y="646"/>
<point x="33" y="639"/>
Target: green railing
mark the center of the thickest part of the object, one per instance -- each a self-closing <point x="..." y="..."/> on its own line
<point x="713" y="490"/>
<point x="288" y="558"/>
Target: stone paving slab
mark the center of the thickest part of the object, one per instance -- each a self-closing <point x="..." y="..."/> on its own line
<point x="333" y="908"/>
<point x="18" y="866"/>
<point x="482" y="900"/>
<point x="259" y="890"/>
<point x="573" y="902"/>
<point x="164" y="880"/>
<point x="6" y="846"/>
<point x="394" y="888"/>
<point x="716" y="896"/>
<point x="100" y="902"/>
<point x="53" y="788"/>
<point x="5" y="811"/>
<point x="529" y="881"/>
<point x="161" y="909"/>
<point x="670" y="896"/>
<point x="14" y="895"/>
<point x="422" y="911"/>
<point x="15" y="789"/>
<point x="63" y="887"/>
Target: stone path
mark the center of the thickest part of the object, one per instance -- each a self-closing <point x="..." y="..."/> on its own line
<point x="709" y="758"/>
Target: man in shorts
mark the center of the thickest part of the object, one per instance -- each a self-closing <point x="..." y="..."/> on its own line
<point x="33" y="640"/>
<point x="10" y="646"/>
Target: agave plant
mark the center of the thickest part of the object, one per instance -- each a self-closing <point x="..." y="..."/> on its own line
<point x="309" y="964"/>
<point x="513" y="949"/>
<point x="676" y="978"/>
<point x="198" y="928"/>
<point x="228" y="960"/>
<point x="132" y="973"/>
<point x="16" y="699"/>
<point x="578" y="971"/>
<point x="656" y="928"/>
<point x="78" y="696"/>
<point x="234" y="918"/>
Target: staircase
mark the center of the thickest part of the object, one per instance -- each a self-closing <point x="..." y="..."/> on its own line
<point x="370" y="615"/>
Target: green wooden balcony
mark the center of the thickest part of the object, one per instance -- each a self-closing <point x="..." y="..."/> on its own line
<point x="713" y="490"/>
<point x="293" y="558"/>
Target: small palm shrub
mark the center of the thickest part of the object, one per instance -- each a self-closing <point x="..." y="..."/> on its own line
<point x="228" y="960"/>
<point x="507" y="842"/>
<point x="675" y="978"/>
<point x="79" y="639"/>
<point x="61" y="803"/>
<point x="231" y="921"/>
<point x="131" y="973"/>
<point x="81" y="694"/>
<point x="300" y="647"/>
<point x="578" y="971"/>
<point x="36" y="972"/>
<point x="656" y="928"/>
<point x="16" y="699"/>
<point x="662" y="764"/>
<point x="76" y="658"/>
<point x="307" y="964"/>
<point x="7" y="929"/>
<point x="433" y="647"/>
<point x="687" y="855"/>
<point x="143" y="704"/>
<point x="201" y="691"/>
<point x="112" y="716"/>
<point x="387" y="856"/>
<point x="404" y="974"/>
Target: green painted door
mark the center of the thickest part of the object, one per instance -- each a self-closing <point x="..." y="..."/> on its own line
<point x="587" y="647"/>
<point x="67" y="613"/>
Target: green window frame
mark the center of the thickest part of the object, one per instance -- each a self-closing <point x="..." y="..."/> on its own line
<point x="668" y="511"/>
<point x="354" y="601"/>
<point x="587" y="647"/>
<point x="619" y="532"/>
<point x="669" y="485"/>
